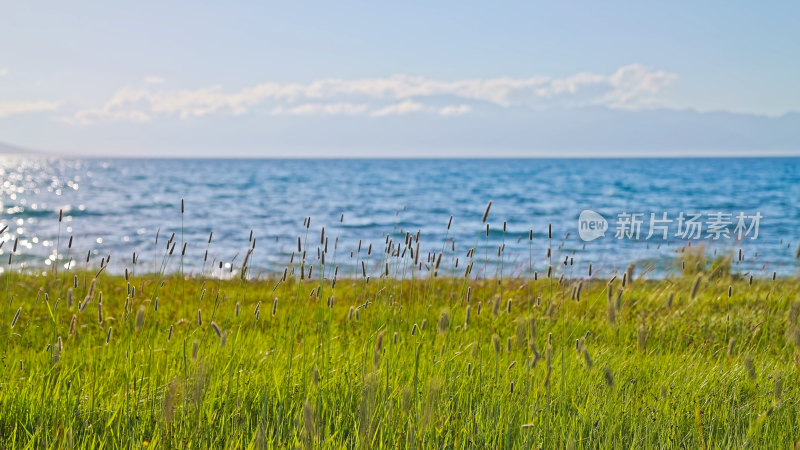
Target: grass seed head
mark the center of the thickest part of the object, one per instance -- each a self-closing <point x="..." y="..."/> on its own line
<point x="444" y="321"/>
<point x="608" y="376"/>
<point x="486" y="212"/>
<point x="750" y="368"/>
<point x="140" y="318"/>
<point x="587" y="359"/>
<point x="695" y="286"/>
<point x="629" y="272"/>
<point x="16" y="317"/>
<point x="642" y="338"/>
<point x="379" y="342"/>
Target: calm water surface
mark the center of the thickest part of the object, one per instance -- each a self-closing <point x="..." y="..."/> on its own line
<point x="116" y="206"/>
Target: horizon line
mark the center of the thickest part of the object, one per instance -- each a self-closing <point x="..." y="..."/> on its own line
<point x="42" y="154"/>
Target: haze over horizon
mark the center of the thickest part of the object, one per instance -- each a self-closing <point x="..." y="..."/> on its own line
<point x="366" y="80"/>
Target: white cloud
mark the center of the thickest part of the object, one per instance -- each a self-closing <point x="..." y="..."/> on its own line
<point x="153" y="79"/>
<point x="22" y="107"/>
<point x="630" y="87"/>
<point x="635" y="86"/>
<point x="3" y="71"/>
<point x="326" y="109"/>
<point x="455" y="110"/>
<point x="141" y="105"/>
<point x="399" y="109"/>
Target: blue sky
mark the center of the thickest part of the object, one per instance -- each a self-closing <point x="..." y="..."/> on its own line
<point x="410" y="79"/>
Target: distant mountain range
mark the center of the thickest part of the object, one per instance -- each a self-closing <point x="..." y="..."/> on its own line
<point x="485" y="131"/>
<point x="12" y="149"/>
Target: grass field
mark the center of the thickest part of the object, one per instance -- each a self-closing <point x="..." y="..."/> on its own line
<point x="706" y="359"/>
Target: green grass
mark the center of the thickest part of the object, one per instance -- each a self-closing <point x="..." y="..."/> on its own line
<point x="712" y="371"/>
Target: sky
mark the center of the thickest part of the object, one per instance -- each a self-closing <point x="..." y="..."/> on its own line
<point x="411" y="79"/>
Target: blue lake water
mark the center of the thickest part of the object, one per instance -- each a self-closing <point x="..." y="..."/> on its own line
<point x="116" y="206"/>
